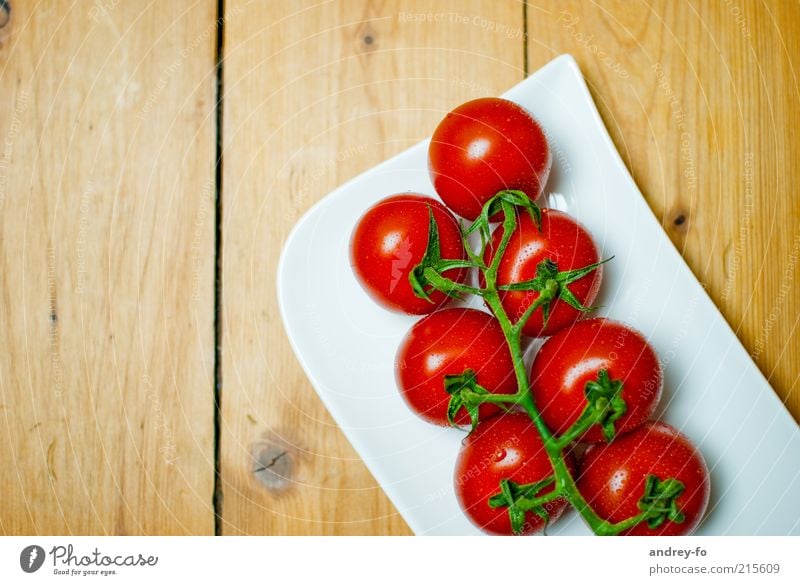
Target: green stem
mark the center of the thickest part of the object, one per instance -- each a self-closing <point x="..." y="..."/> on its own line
<point x="577" y="430"/>
<point x="494" y="398"/>
<point x="566" y="486"/>
<point x="509" y="225"/>
<point x="547" y="295"/>
<point x="612" y="529"/>
<point x="541" y="500"/>
<point x="513" y="338"/>
<point x="555" y="447"/>
<point x="565" y="483"/>
<point x="446" y="285"/>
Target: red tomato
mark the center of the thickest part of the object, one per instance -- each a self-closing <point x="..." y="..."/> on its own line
<point x="448" y="342"/>
<point x="574" y="356"/>
<point x="506" y="446"/>
<point x="562" y="240"/>
<point x="390" y="239"/>
<point x="485" y="146"/>
<point x="613" y="477"/>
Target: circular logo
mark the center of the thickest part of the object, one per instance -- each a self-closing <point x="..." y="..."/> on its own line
<point x="31" y="558"/>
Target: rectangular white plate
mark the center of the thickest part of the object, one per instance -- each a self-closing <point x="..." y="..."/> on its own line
<point x="713" y="391"/>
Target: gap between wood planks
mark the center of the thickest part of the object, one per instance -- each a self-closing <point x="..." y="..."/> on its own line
<point x="217" y="497"/>
<point x="524" y="39"/>
<point x="219" y="66"/>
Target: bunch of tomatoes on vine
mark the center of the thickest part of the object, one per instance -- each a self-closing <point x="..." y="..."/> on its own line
<point x="574" y="426"/>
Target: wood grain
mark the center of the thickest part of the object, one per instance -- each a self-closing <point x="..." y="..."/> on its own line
<point x="702" y="101"/>
<point x="312" y="97"/>
<point x="107" y="263"/>
<point x="107" y="130"/>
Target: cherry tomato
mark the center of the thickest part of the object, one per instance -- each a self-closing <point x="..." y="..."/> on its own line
<point x="575" y="356"/>
<point x="506" y="446"/>
<point x="561" y="240"/>
<point x="449" y="342"/>
<point x="485" y="146"/>
<point x="390" y="239"/>
<point x="613" y="477"/>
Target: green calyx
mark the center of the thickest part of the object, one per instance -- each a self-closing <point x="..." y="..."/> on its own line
<point x="604" y="407"/>
<point x="508" y="202"/>
<point x="605" y="403"/>
<point x="660" y="501"/>
<point x="466" y="393"/>
<point x="428" y="274"/>
<point x="523" y="498"/>
<point x="464" y="389"/>
<point x="552" y="284"/>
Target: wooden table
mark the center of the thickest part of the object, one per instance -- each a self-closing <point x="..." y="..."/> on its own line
<point x="155" y="155"/>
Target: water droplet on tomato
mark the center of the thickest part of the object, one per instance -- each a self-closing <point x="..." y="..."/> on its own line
<point x="433" y="362"/>
<point x="509" y="457"/>
<point x="617" y="481"/>
<point x="478" y="148"/>
<point x="390" y="242"/>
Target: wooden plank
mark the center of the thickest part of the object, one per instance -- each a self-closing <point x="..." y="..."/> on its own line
<point x="313" y="96"/>
<point x="702" y="101"/>
<point x="107" y="263"/>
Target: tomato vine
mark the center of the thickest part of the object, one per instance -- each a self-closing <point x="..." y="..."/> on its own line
<point x="604" y="402"/>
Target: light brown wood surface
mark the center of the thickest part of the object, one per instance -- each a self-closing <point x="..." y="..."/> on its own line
<point x="107" y="264"/>
<point x="309" y="103"/>
<point x="107" y="219"/>
<point x="703" y="102"/>
<point x="313" y="97"/>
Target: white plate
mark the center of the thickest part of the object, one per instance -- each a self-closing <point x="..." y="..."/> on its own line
<point x="713" y="391"/>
